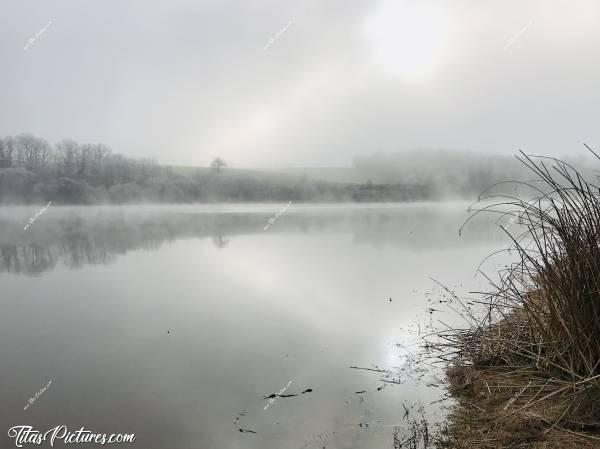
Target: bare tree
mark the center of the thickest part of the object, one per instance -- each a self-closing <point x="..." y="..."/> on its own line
<point x="217" y="164"/>
<point x="32" y="152"/>
<point x="7" y="146"/>
<point x="66" y="151"/>
<point x="99" y="155"/>
<point x="83" y="157"/>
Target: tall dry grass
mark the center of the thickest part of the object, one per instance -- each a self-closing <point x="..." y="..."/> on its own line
<point x="532" y="354"/>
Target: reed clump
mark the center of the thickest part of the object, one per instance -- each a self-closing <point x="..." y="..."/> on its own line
<point x="525" y="372"/>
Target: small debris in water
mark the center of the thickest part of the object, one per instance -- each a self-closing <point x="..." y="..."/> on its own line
<point x="360" y="392"/>
<point x="239" y="416"/>
<point x="377" y="370"/>
<point x="278" y="395"/>
<point x="246" y="431"/>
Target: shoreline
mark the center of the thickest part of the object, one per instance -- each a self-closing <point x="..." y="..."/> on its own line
<point x="525" y="371"/>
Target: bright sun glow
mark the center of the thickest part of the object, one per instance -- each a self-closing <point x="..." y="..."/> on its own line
<point x="410" y="39"/>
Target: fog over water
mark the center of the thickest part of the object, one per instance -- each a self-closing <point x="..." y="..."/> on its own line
<point x="173" y="321"/>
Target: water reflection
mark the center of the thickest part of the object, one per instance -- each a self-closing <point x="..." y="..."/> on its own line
<point x="170" y="322"/>
<point x="220" y="241"/>
<point x="75" y="237"/>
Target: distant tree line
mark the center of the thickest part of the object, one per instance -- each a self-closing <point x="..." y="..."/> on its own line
<point x="33" y="170"/>
<point x="446" y="173"/>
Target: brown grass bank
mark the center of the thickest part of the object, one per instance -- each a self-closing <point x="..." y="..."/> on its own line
<point x="525" y="372"/>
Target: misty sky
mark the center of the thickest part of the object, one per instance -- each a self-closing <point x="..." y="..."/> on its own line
<point x="183" y="81"/>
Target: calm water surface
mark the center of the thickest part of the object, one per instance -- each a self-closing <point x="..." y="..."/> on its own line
<point x="174" y="322"/>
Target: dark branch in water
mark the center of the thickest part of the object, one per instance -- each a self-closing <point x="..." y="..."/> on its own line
<point x="370" y="369"/>
<point x="277" y="395"/>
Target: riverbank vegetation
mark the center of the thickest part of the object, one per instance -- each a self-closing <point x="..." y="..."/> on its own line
<point x="525" y="372"/>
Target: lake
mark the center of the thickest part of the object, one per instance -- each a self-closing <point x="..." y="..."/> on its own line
<point x="175" y="322"/>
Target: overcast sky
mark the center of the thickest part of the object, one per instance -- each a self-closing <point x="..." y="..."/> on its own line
<point x="304" y="82"/>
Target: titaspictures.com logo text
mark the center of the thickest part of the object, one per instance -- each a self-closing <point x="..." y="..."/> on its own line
<point x="28" y="435"/>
